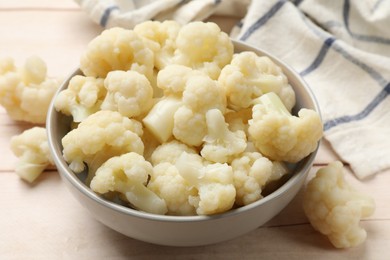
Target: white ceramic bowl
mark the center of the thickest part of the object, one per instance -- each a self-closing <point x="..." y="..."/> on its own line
<point x="183" y="230"/>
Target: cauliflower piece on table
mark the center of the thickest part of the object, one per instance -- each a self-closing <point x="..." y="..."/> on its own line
<point x="203" y="46"/>
<point x="251" y="172"/>
<point x="117" y="49"/>
<point x="99" y="137"/>
<point x="22" y="89"/>
<point x="281" y="136"/>
<point x="128" y="174"/>
<point x="128" y="92"/>
<point x="334" y="208"/>
<point x="220" y="144"/>
<point x="82" y="97"/>
<point x="249" y="76"/>
<point x="161" y="38"/>
<point x="169" y="185"/>
<point x="32" y="149"/>
<point x="214" y="183"/>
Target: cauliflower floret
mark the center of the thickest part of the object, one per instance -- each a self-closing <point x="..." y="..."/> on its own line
<point x="334" y="208"/>
<point x="189" y="127"/>
<point x="128" y="174"/>
<point x="220" y="144"/>
<point x="22" y="89"/>
<point x="169" y="185"/>
<point x="200" y="95"/>
<point x="161" y="38"/>
<point x="104" y="134"/>
<point x="203" y="46"/>
<point x="82" y="97"/>
<point x="251" y="172"/>
<point x="214" y="182"/>
<point x="170" y="152"/>
<point x="166" y="180"/>
<point x="182" y="111"/>
<point x="6" y="65"/>
<point x="249" y="76"/>
<point x="32" y="149"/>
<point x="128" y="92"/>
<point x="173" y="79"/>
<point x="117" y="49"/>
<point x="280" y="136"/>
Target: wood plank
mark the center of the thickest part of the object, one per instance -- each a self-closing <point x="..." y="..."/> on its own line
<point x="59" y="43"/>
<point x="65" y="228"/>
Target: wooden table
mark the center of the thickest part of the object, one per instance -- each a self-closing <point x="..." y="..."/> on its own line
<point x="43" y="221"/>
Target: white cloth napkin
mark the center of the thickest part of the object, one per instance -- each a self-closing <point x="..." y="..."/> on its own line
<point x="341" y="48"/>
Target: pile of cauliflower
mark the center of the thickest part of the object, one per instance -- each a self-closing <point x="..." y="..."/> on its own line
<point x="26" y="93"/>
<point x="168" y="119"/>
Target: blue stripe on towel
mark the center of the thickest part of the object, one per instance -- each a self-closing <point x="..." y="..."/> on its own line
<point x="369" y="70"/>
<point x="367" y="38"/>
<point x="364" y="113"/>
<point x="297" y="2"/>
<point x="262" y="20"/>
<point x="106" y="15"/>
<point x="320" y="57"/>
<point x="376" y="5"/>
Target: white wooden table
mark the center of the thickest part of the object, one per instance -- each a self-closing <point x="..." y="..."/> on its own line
<point x="43" y="221"/>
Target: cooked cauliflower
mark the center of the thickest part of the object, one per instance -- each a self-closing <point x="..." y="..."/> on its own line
<point x="187" y="98"/>
<point x="166" y="181"/>
<point x="249" y="76"/>
<point x="203" y="46"/>
<point x="334" y="208"/>
<point x="161" y="38"/>
<point x="159" y="120"/>
<point x="32" y="149"/>
<point x="128" y="174"/>
<point x="82" y="97"/>
<point x="22" y="89"/>
<point x="251" y="172"/>
<point x="128" y="92"/>
<point x="170" y="152"/>
<point x="116" y="49"/>
<point x="104" y="134"/>
<point x="214" y="183"/>
<point x="220" y="144"/>
<point x="173" y="79"/>
<point x="169" y="185"/>
<point x="281" y="136"/>
<point x="200" y="95"/>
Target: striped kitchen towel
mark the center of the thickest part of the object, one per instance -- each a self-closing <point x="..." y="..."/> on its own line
<point x="341" y="48"/>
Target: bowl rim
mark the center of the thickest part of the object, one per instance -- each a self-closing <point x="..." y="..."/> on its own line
<point x="62" y="167"/>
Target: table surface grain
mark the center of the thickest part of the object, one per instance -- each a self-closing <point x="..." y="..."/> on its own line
<point x="44" y="221"/>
